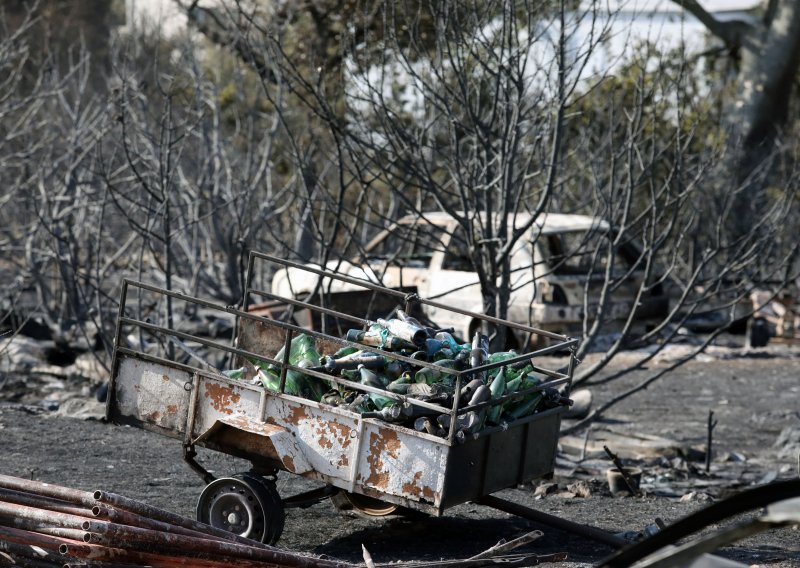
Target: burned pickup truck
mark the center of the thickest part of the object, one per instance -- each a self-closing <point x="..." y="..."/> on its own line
<point x="553" y="284"/>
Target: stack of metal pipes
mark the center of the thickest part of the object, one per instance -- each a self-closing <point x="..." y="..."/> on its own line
<point x="49" y="525"/>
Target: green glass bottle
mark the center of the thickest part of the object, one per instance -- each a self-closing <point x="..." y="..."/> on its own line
<point x="425" y="424"/>
<point x="469" y="389"/>
<point x="526" y="406"/>
<point x="372" y="379"/>
<point x="314" y="387"/>
<point x="432" y="348"/>
<point x="353" y="360"/>
<point x="443" y="353"/>
<point x="400" y="384"/>
<point x="448" y="379"/>
<point x="409" y="319"/>
<point x="268" y="379"/>
<point x="361" y="404"/>
<point x="498" y="357"/>
<point x="427" y="375"/>
<point x="272" y="380"/>
<point x="513" y="385"/>
<point x="481" y="394"/>
<point x="479" y="353"/>
<point x="520" y="369"/>
<point x="303" y="346"/>
<point x="303" y="353"/>
<point x="343" y="352"/>
<point x="350" y="374"/>
<point x="529" y="402"/>
<point x="497" y="388"/>
<point x="480" y="350"/>
<point x="236" y="374"/>
<point x="378" y="336"/>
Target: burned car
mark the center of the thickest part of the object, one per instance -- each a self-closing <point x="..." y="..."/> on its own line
<point x="558" y="270"/>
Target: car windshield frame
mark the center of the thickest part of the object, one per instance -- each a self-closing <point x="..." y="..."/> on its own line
<point x="582" y="252"/>
<point x="413" y="244"/>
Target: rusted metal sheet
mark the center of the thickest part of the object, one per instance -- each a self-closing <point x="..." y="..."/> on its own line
<point x="218" y="399"/>
<point x="153" y="393"/>
<point x="364" y="455"/>
<point x="411" y="467"/>
<point x="257" y="440"/>
<point x="326" y="439"/>
<point x="333" y="445"/>
<point x="329" y="444"/>
<point x="256" y="337"/>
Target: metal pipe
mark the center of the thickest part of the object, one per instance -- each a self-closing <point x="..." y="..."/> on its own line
<point x="19" y="536"/>
<point x="593" y="533"/>
<point x="95" y="553"/>
<point x="71" y="534"/>
<point x="287" y="352"/>
<point x="573" y="362"/>
<point x="26" y="524"/>
<point x="451" y="434"/>
<point x="48" y="518"/>
<point x="30" y="552"/>
<point x="133" y="506"/>
<point x="98" y="564"/>
<point x="42" y="502"/>
<point x="93" y="539"/>
<point x="135" y="538"/>
<point x="76" y="496"/>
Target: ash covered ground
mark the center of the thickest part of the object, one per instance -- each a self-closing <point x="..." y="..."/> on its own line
<point x="50" y="431"/>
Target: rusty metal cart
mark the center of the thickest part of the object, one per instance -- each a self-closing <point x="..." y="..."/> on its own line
<point x="361" y="461"/>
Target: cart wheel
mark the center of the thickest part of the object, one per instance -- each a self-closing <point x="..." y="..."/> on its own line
<point x="275" y="512"/>
<point x="369" y="506"/>
<point x="245" y="504"/>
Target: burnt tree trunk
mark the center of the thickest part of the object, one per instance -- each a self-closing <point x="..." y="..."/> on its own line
<point x="769" y="57"/>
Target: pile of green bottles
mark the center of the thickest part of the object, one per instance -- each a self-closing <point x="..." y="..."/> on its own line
<point x="404" y="335"/>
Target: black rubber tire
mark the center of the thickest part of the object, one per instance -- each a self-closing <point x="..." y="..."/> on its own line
<point x="274" y="512"/>
<point x="245" y="504"/>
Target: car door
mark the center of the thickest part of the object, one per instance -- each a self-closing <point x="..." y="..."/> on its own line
<point x="575" y="263"/>
<point x="456" y="283"/>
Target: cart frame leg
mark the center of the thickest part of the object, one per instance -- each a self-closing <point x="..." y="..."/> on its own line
<point x="593" y="533"/>
<point x="189" y="453"/>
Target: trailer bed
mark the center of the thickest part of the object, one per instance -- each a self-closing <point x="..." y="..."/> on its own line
<point x="344" y="450"/>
